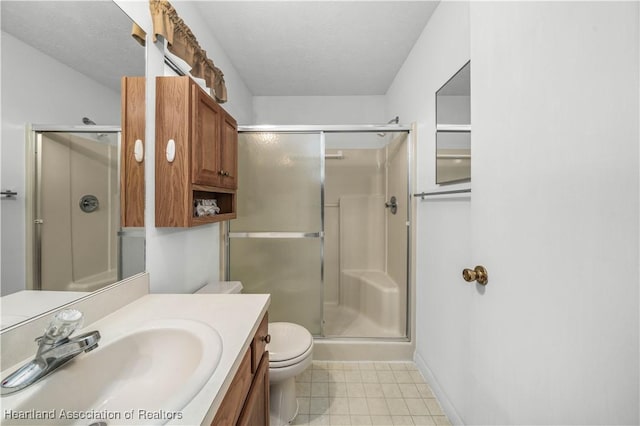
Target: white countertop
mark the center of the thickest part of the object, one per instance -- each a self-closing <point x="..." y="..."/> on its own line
<point x="22" y="305"/>
<point x="236" y="317"/>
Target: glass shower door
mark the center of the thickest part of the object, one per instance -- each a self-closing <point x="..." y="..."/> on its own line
<point x="275" y="244"/>
<point x="77" y="207"/>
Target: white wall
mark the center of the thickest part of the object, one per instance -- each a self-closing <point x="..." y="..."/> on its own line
<point x="37" y="89"/>
<point x="553" y="339"/>
<point x="320" y="110"/>
<point x="182" y="260"/>
<point x="442" y="224"/>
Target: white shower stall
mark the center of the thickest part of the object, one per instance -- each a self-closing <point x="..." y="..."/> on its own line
<point x="323" y="226"/>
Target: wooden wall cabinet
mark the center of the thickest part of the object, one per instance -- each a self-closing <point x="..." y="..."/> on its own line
<point x="131" y="170"/>
<point x="204" y="150"/>
<point x="247" y="400"/>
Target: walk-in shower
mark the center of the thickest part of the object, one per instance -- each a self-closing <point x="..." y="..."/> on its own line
<point x="365" y="244"/>
<point x="316" y="230"/>
<point x="74" y="213"/>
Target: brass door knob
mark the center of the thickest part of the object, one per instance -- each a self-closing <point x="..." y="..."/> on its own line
<point x="479" y="274"/>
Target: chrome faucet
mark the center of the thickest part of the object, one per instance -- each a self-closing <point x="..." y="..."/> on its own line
<point x="55" y="349"/>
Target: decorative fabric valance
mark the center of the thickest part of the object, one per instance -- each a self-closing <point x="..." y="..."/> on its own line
<point x="139" y="34"/>
<point x="182" y="43"/>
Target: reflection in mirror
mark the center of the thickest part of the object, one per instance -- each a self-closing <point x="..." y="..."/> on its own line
<point x="62" y="64"/>
<point x="76" y="207"/>
<point x="453" y="128"/>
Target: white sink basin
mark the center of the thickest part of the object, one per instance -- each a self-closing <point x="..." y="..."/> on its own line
<point x="144" y="377"/>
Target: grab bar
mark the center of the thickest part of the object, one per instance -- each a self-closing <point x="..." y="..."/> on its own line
<point x="431" y="194"/>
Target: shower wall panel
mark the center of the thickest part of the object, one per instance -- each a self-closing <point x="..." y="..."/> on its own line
<point x="93" y="239"/>
<point x="77" y="245"/>
<point x="55" y="201"/>
<point x="362" y="236"/>
<point x="360" y="171"/>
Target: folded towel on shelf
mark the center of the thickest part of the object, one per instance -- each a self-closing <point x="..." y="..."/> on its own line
<point x="205" y="207"/>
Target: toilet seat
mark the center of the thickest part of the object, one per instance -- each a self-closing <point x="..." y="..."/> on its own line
<point x="290" y="344"/>
<point x="292" y="361"/>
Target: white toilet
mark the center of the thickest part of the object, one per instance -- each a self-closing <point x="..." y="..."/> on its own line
<point x="290" y="353"/>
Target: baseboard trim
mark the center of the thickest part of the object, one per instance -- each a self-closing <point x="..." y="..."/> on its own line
<point x="445" y="403"/>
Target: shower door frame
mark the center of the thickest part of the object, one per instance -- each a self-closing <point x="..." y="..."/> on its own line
<point x="33" y="238"/>
<point x="322" y="130"/>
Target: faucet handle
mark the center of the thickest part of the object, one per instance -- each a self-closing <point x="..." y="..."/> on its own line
<point x="64" y="323"/>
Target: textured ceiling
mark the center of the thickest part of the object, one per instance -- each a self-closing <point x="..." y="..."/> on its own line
<point x="317" y="48"/>
<point x="92" y="37"/>
<point x="278" y="47"/>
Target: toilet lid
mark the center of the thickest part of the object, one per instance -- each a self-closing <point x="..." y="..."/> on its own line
<point x="288" y="341"/>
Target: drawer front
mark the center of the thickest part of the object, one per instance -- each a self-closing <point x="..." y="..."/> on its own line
<point x="233" y="401"/>
<point x="259" y="343"/>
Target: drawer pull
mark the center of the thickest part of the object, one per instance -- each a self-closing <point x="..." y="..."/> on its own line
<point x="266" y="339"/>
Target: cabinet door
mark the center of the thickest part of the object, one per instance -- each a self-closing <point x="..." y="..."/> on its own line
<point x="205" y="135"/>
<point x="132" y="170"/>
<point x="256" y="407"/>
<point x="228" y="153"/>
<point x="230" y="409"/>
<point x="259" y="343"/>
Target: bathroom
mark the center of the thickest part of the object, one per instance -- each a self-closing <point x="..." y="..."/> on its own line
<point x="553" y="216"/>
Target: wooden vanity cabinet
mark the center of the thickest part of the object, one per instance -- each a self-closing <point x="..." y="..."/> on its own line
<point x="196" y="154"/>
<point x="247" y="400"/>
<point x="256" y="407"/>
<point x="132" y="170"/>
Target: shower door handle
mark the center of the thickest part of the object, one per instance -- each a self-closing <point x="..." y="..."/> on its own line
<point x="392" y="205"/>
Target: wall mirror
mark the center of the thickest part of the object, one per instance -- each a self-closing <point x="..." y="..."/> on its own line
<point x="62" y="64"/>
<point x="453" y="128"/>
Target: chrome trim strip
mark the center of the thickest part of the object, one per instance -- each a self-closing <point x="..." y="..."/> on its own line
<point x="276" y="234"/>
<point x="409" y="235"/>
<point x="75" y="129"/>
<point x="37" y="220"/>
<point x="322" y="199"/>
<point x="341" y="128"/>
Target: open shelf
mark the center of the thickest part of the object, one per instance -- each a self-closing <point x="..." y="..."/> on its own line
<point x="225" y="200"/>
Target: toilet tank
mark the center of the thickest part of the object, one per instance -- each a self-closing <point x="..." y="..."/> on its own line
<point x="221" y="287"/>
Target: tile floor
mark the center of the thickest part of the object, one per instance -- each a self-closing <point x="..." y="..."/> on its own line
<point x="366" y="393"/>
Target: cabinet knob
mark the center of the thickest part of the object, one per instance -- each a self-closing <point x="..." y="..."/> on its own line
<point x="138" y="150"/>
<point x="479" y="273"/>
<point x="171" y="150"/>
<point x="266" y="339"/>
